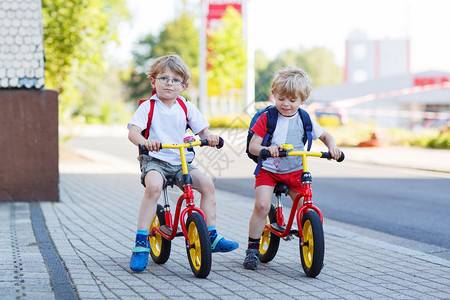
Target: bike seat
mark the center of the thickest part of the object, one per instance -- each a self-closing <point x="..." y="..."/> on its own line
<point x="281" y="188"/>
<point x="169" y="182"/>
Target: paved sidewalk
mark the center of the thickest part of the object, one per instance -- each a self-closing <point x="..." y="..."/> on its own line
<point x="92" y="232"/>
<point x="93" y="228"/>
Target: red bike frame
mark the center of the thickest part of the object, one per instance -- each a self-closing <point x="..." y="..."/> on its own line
<point x="188" y="195"/>
<point x="307" y="201"/>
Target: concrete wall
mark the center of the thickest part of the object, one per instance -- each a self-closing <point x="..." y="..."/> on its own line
<point x="28" y="145"/>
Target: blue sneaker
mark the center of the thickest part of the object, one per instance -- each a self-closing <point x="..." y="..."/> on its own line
<point x="139" y="257"/>
<point x="220" y="244"/>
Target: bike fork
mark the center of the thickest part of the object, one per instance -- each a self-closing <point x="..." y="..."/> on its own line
<point x="167" y="212"/>
<point x="280" y="217"/>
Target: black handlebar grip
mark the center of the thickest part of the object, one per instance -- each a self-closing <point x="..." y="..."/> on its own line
<point x="328" y="155"/>
<point x="264" y="154"/>
<point x="142" y="150"/>
<point x="205" y="143"/>
<point x="221" y="142"/>
<point x="342" y="157"/>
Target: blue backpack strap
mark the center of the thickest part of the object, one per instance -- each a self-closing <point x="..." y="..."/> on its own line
<point x="307" y="127"/>
<point x="272" y="116"/>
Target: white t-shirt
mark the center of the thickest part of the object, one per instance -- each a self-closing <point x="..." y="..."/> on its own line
<point x="169" y="126"/>
<point x="289" y="130"/>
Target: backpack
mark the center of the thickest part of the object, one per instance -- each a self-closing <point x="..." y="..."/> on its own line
<point x="272" y="116"/>
<point x="146" y="131"/>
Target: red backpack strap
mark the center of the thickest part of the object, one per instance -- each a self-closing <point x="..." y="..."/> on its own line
<point x="183" y="106"/>
<point x="150" y="116"/>
<point x="152" y="108"/>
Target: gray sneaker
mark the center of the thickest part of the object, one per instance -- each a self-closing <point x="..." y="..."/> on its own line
<point x="251" y="259"/>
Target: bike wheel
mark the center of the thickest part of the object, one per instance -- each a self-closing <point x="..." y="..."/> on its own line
<point x="159" y="246"/>
<point x="199" y="251"/>
<point x="268" y="246"/>
<point x="313" y="249"/>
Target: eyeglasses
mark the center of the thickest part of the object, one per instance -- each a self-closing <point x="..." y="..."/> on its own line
<point x="165" y="80"/>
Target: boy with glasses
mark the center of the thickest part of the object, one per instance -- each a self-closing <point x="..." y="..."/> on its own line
<point x="169" y="77"/>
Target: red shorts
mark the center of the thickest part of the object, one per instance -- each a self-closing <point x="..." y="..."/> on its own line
<point x="293" y="179"/>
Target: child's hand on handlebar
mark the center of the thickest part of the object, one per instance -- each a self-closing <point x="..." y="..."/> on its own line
<point x="275" y="150"/>
<point x="213" y="140"/>
<point x="152" y="145"/>
<point x="335" y="152"/>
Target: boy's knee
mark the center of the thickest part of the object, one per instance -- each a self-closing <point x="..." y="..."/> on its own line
<point x="262" y="208"/>
<point x="152" y="187"/>
<point x="207" y="185"/>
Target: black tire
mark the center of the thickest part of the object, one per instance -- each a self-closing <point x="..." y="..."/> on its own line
<point x="199" y="250"/>
<point x="313" y="250"/>
<point x="159" y="246"/>
<point x="269" y="243"/>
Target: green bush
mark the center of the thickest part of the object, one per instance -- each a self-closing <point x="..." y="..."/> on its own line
<point x="442" y="141"/>
<point x="351" y="134"/>
<point x="230" y="121"/>
<point x="329" y="121"/>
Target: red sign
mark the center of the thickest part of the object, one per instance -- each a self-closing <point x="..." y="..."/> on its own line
<point x="421" y="81"/>
<point x="217" y="9"/>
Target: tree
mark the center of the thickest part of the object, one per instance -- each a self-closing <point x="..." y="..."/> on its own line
<point x="320" y="65"/>
<point x="317" y="62"/>
<point x="262" y="76"/>
<point x="227" y="58"/>
<point x="75" y="35"/>
<point x="179" y="36"/>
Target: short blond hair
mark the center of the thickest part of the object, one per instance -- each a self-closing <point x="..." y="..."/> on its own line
<point x="174" y="63"/>
<point x="292" y="82"/>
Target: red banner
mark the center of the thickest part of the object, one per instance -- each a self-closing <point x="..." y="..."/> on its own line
<point x="217" y="9"/>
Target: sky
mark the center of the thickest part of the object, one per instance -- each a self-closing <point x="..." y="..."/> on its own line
<point x="276" y="25"/>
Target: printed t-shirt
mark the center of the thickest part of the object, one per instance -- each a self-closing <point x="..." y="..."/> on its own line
<point x="289" y="130"/>
<point x="169" y="126"/>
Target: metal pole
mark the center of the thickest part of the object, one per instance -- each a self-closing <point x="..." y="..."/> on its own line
<point x="203" y="84"/>
<point x="249" y="87"/>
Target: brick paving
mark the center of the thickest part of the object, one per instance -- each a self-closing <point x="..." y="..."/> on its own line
<point x="92" y="229"/>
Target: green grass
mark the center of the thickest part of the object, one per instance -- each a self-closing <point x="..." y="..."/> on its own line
<point x="351" y="134"/>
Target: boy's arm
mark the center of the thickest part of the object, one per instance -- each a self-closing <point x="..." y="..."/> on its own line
<point x="213" y="139"/>
<point x="135" y="136"/>
<point x="255" y="146"/>
<point x="329" y="141"/>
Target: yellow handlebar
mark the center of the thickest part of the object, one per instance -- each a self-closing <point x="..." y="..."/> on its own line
<point x="182" y="146"/>
<point x="264" y="154"/>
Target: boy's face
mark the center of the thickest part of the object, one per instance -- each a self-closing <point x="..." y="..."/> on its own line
<point x="168" y="84"/>
<point x="286" y="106"/>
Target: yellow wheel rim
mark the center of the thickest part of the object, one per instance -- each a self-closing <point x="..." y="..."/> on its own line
<point x="195" y="250"/>
<point x="265" y="239"/>
<point x="308" y="239"/>
<point x="156" y="239"/>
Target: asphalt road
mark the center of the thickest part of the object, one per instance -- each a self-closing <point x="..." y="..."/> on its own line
<point x="404" y="203"/>
<point x="409" y="204"/>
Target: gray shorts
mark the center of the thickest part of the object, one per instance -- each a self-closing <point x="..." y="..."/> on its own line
<point x="149" y="163"/>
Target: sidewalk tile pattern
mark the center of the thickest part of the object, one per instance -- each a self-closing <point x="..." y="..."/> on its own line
<point x="94" y="225"/>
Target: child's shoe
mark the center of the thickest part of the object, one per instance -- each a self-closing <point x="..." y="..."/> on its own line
<point x="251" y="259"/>
<point x="220" y="244"/>
<point x="139" y="257"/>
